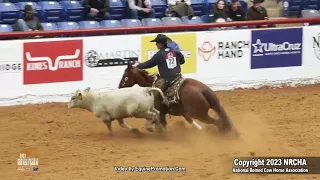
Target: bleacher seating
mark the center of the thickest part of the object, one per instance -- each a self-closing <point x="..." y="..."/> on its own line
<point x="89" y="24"/>
<point x="73" y="10"/>
<point x="206" y="18"/>
<point x="49" y="26"/>
<point x="159" y="7"/>
<point x="118" y="9"/>
<point x="52" y="11"/>
<point x="311" y="4"/>
<point x="151" y="22"/>
<point x="5" y="28"/>
<point x="193" y="20"/>
<point x="295" y="7"/>
<point x="68" y="25"/>
<point x="9" y="13"/>
<point x="131" y="23"/>
<point x="110" y="24"/>
<point x="69" y="14"/>
<point x="310" y="13"/>
<point x="199" y="7"/>
<point x="171" y="21"/>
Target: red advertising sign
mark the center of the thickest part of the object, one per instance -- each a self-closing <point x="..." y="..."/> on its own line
<point x="52" y="61"/>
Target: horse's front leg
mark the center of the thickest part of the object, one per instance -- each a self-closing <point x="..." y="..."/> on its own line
<point x="163" y="122"/>
<point x="123" y="124"/>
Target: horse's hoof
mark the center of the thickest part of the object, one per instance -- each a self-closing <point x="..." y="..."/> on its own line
<point x="224" y="130"/>
<point x="135" y="131"/>
<point x="162" y="130"/>
<point x="150" y="129"/>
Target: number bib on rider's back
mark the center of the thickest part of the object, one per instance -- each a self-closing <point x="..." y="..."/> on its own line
<point x="171" y="60"/>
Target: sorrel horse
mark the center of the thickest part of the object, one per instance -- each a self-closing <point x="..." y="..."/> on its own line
<point x="195" y="99"/>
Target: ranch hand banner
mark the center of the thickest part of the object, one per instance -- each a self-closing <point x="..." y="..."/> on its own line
<point x="276" y="48"/>
<point x="223" y="53"/>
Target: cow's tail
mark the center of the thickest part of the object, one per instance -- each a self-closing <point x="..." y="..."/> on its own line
<point x="164" y="99"/>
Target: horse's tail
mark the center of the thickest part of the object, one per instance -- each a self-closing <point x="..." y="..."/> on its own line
<point x="214" y="103"/>
<point x="164" y="99"/>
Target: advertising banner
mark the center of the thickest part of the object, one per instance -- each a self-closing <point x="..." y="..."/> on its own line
<point x="273" y="48"/>
<point x="11" y="65"/>
<point x="106" y="58"/>
<point x="223" y="53"/>
<point x="186" y="42"/>
<point x="311" y="46"/>
<point x="52" y="61"/>
<point x="111" y="51"/>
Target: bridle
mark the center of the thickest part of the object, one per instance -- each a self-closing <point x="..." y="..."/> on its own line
<point x="125" y="81"/>
<point x="126" y="78"/>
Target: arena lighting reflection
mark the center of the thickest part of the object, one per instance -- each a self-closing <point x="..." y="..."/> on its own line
<point x="183" y="27"/>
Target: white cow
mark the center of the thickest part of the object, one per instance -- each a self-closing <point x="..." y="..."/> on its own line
<point x="133" y="101"/>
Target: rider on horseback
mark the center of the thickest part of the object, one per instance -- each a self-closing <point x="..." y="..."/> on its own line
<point x="168" y="61"/>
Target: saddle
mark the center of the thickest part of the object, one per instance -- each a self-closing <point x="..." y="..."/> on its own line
<point x="172" y="92"/>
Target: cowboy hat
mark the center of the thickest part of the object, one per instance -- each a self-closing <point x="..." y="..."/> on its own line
<point x="161" y="38"/>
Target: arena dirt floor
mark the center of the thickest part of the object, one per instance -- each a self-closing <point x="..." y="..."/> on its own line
<point x="73" y="144"/>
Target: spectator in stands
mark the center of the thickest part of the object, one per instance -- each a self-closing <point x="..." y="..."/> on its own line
<point x="258" y="12"/>
<point x="220" y="11"/>
<point x="29" y="21"/>
<point x="97" y="8"/>
<point x="236" y="12"/>
<point x="220" y="14"/>
<point x="179" y="8"/>
<point x="141" y="8"/>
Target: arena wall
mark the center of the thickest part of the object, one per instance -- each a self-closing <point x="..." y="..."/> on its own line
<point x="49" y="70"/>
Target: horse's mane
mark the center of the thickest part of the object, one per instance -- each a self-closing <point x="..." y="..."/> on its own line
<point x="147" y="75"/>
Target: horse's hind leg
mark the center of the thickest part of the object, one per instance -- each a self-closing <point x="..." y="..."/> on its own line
<point x="210" y="120"/>
<point x="191" y="121"/>
<point x="216" y="106"/>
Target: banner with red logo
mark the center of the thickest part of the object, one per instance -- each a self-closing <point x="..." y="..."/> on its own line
<point x="223" y="54"/>
<point x="52" y="61"/>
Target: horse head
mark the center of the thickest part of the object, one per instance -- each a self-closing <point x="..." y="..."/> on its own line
<point x="133" y="75"/>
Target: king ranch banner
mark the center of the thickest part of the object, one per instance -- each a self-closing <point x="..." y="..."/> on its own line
<point x="187" y="44"/>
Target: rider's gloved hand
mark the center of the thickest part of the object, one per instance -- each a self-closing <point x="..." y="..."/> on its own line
<point x="135" y="64"/>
